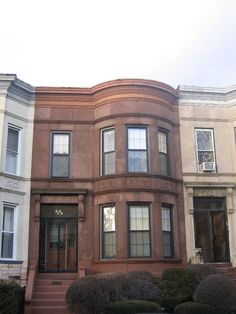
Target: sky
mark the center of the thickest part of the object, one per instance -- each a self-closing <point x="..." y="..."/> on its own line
<point x="81" y="43"/>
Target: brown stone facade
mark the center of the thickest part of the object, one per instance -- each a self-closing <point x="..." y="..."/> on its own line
<point x="84" y="113"/>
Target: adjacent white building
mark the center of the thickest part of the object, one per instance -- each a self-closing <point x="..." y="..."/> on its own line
<point x="16" y="134"/>
<point x="207" y="130"/>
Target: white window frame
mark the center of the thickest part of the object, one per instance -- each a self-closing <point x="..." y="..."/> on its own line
<point x="18" y="153"/>
<point x="102" y="153"/>
<point x="196" y="144"/>
<point x="15" y="208"/>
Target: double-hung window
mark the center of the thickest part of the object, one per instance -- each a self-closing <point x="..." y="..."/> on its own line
<point x="60" y="162"/>
<point x="139" y="231"/>
<point x="108" y="151"/>
<point x="163" y="152"/>
<point x="108" y="231"/>
<point x="205" y="149"/>
<point x="167" y="231"/>
<point x="137" y="149"/>
<point x="8" y="231"/>
<point x="13" y="150"/>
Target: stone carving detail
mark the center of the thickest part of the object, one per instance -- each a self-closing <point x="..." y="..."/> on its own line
<point x="12" y="184"/>
<point x="139" y="183"/>
<point x="59" y="199"/>
<point x="81" y="208"/>
<point x="166" y="185"/>
<point x="210" y="192"/>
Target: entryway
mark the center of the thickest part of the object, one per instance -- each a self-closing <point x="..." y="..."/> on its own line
<point x="211" y="229"/>
<point x="58" y="238"/>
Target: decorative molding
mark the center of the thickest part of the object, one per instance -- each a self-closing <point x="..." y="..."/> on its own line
<point x="209" y="192"/>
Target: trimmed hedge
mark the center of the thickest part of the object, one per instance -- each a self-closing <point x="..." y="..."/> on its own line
<point x="216" y="290"/>
<point x="178" y="285"/>
<point x="11" y="295"/>
<point x="196" y="308"/>
<point x="132" y="307"/>
<point x="139" y="289"/>
<point x="201" y="271"/>
<point x="91" y="294"/>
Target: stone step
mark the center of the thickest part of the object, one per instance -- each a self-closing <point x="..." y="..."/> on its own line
<point x="49" y="310"/>
<point x="49" y="289"/>
<point x="47" y="295"/>
<point x="48" y="302"/>
<point x="53" y="282"/>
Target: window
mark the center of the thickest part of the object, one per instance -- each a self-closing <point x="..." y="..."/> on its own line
<point x="108" y="232"/>
<point x="139" y="231"/>
<point x="167" y="231"/>
<point x="12" y="154"/>
<point x="108" y="151"/>
<point x="8" y="235"/>
<point x="205" y="146"/>
<point x="137" y="149"/>
<point x="60" y="166"/>
<point x="163" y="152"/>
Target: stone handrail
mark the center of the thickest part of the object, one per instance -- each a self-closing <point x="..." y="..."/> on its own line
<point x="29" y="290"/>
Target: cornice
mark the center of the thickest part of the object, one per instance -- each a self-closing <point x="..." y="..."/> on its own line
<point x="196" y="95"/>
<point x="13" y="88"/>
<point x="109" y="91"/>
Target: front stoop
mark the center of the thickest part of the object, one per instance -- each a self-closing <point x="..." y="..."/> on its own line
<point x="49" y="293"/>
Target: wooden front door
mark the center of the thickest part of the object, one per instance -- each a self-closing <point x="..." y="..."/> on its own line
<point x="58" y="244"/>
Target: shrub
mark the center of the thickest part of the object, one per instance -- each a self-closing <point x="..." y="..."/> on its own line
<point x="201" y="271"/>
<point x="216" y="290"/>
<point x="132" y="307"/>
<point x="178" y="285"/>
<point x="195" y="308"/>
<point x="138" y="289"/>
<point x="90" y="295"/>
<point x="142" y="275"/>
<point x="10" y="297"/>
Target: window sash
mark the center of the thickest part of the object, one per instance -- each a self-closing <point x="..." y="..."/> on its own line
<point x="108" y="232"/>
<point x="108" y="151"/>
<point x="163" y="153"/>
<point x="139" y="231"/>
<point x="12" y="150"/>
<point x="137" y="149"/>
<point x="205" y="145"/>
<point x="167" y="231"/>
<point x="8" y="233"/>
<point x="60" y="160"/>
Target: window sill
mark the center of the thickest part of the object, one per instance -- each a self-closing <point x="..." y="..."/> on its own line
<point x="10" y="261"/>
<point x="147" y="260"/>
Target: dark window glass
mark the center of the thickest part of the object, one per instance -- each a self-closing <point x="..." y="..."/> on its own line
<point x="167" y="231"/>
<point x="137" y="149"/>
<point x="7" y="232"/>
<point x="12" y="150"/>
<point x="108" y="151"/>
<point x="163" y="153"/>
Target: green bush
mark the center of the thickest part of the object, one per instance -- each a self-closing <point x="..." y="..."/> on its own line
<point x="91" y="294"/>
<point x="132" y="307"/>
<point x="201" y="271"/>
<point x="195" y="308"/>
<point x="138" y="289"/>
<point x="216" y="290"/>
<point x="142" y="275"/>
<point x="10" y="297"/>
<point x="178" y="285"/>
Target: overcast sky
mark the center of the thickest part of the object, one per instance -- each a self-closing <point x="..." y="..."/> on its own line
<point x="84" y="43"/>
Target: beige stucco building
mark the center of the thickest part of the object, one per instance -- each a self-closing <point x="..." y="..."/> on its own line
<point x="207" y="128"/>
<point x="16" y="132"/>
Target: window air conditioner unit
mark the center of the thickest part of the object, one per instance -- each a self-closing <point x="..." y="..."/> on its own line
<point x="207" y="166"/>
